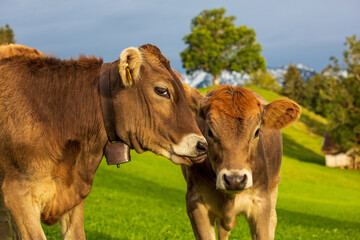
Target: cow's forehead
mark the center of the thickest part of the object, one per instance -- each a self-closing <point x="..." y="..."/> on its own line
<point x="232" y="102"/>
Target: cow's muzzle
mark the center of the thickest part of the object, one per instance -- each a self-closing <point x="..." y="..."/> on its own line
<point x="201" y="148"/>
<point x="192" y="149"/>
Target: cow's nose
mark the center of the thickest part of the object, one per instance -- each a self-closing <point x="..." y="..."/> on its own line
<point x="235" y="182"/>
<point x="201" y="148"/>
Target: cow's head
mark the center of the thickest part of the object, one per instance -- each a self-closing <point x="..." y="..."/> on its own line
<point x="232" y="119"/>
<point x="151" y="111"/>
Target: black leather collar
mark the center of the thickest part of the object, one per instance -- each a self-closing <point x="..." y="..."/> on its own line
<point x="115" y="152"/>
<point x="107" y="105"/>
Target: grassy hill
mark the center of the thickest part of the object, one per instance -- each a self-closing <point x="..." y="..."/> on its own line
<point x="145" y="199"/>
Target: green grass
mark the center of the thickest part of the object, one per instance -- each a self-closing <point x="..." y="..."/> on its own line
<point x="145" y="199"/>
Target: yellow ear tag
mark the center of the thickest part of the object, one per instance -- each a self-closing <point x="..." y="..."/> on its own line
<point x="128" y="74"/>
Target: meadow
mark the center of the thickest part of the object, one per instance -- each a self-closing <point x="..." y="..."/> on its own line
<point x="145" y="199"/>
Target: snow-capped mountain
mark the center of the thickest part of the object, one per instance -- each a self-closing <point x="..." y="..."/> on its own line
<point x="305" y="72"/>
<point x="200" y="79"/>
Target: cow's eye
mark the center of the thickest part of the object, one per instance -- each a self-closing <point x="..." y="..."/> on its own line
<point x="257" y="133"/>
<point x="162" y="91"/>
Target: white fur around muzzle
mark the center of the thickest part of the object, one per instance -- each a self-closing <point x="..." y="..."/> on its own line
<point x="187" y="146"/>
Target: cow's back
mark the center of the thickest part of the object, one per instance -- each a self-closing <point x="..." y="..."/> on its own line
<point x="47" y="92"/>
<point x="51" y="133"/>
<point x="45" y="102"/>
<point x="10" y="50"/>
<point x="21" y="125"/>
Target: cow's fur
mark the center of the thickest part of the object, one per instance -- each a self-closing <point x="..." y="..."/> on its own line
<point x="242" y="130"/>
<point x="10" y="50"/>
<point x="52" y="132"/>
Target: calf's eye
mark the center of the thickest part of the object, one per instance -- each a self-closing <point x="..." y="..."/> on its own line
<point x="162" y="91"/>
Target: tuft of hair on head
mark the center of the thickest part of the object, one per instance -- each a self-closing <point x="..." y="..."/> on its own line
<point x="236" y="102"/>
<point x="158" y="56"/>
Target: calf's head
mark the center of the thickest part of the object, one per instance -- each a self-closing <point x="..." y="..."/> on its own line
<point x="151" y="111"/>
<point x="232" y="119"/>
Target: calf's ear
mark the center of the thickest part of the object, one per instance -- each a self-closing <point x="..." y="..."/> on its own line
<point x="280" y="113"/>
<point x="195" y="100"/>
<point x="129" y="67"/>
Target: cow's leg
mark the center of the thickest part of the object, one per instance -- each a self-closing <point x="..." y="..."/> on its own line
<point x="259" y="218"/>
<point x="223" y="234"/>
<point x="273" y="216"/>
<point x="25" y="214"/>
<point x="72" y="223"/>
<point x="201" y="219"/>
<point x="5" y="221"/>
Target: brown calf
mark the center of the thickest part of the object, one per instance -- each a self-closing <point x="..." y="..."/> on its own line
<point x="242" y="172"/>
<point x="52" y="130"/>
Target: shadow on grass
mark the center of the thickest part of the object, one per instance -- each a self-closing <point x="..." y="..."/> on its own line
<point x="54" y="233"/>
<point x="294" y="150"/>
<point x="313" y="125"/>
<point x="95" y="235"/>
<point x="136" y="185"/>
<point x="286" y="217"/>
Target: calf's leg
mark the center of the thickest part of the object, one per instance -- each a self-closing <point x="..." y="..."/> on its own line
<point x="5" y="221"/>
<point x="72" y="223"/>
<point x="273" y="216"/>
<point x="259" y="219"/>
<point x="201" y="219"/>
<point x="223" y="234"/>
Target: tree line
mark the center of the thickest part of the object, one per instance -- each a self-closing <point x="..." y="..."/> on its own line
<point x="6" y="35"/>
<point x="334" y="93"/>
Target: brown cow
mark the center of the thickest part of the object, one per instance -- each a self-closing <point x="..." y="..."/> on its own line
<point x="242" y="172"/>
<point x="53" y="129"/>
<point x="10" y="50"/>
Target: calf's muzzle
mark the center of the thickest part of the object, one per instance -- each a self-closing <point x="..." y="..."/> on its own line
<point x="235" y="182"/>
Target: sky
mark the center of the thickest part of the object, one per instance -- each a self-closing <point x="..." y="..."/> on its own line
<point x="307" y="31"/>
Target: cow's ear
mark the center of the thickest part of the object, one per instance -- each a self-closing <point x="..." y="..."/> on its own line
<point x="195" y="100"/>
<point x="129" y="67"/>
<point x="280" y="113"/>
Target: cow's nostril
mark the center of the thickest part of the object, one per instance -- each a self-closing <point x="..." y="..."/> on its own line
<point x="201" y="147"/>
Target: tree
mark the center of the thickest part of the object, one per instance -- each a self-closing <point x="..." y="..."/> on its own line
<point x="345" y="115"/>
<point x="293" y="85"/>
<point x="319" y="93"/>
<point x="6" y="35"/>
<point x="216" y="44"/>
<point x="264" y="80"/>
